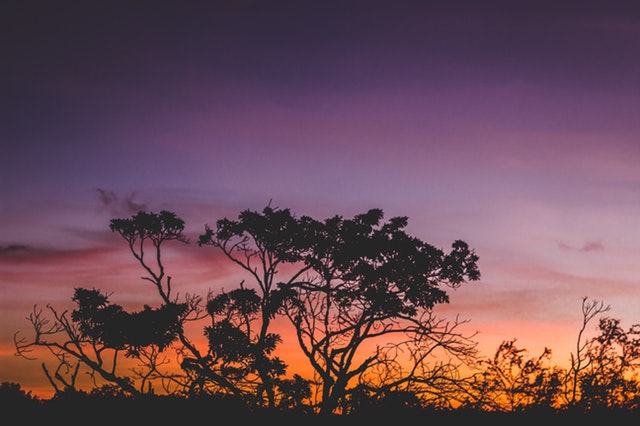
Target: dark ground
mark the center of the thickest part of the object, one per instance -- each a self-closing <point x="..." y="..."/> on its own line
<point x="75" y="412"/>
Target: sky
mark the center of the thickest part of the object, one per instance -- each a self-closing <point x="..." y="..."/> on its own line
<point x="514" y="126"/>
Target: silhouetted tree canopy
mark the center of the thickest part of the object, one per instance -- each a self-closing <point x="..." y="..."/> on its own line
<point x="358" y="294"/>
<point x="115" y="328"/>
<point x="352" y="281"/>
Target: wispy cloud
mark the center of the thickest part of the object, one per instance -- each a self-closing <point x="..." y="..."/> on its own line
<point x="588" y="246"/>
<point x="13" y="249"/>
<point x="17" y="253"/>
<point x="116" y="204"/>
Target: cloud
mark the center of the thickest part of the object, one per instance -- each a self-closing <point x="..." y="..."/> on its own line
<point x="13" y="249"/>
<point x="14" y="254"/>
<point x="592" y="246"/>
<point x="117" y="205"/>
<point x="588" y="246"/>
<point x="19" y="252"/>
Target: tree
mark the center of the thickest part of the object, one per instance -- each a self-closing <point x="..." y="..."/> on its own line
<point x="603" y="373"/>
<point x="96" y="333"/>
<point x="351" y="283"/>
<point x="610" y="379"/>
<point x="580" y="360"/>
<point x="260" y="244"/>
<point x="373" y="289"/>
<point x="512" y="382"/>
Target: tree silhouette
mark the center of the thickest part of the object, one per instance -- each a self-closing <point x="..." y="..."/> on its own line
<point x="611" y="379"/>
<point x="603" y="373"/>
<point x="97" y="332"/>
<point x="260" y="244"/>
<point x="374" y="287"/>
<point x="579" y="359"/>
<point x="351" y="282"/>
<point x="150" y="228"/>
<point x="510" y="381"/>
<point x="359" y="294"/>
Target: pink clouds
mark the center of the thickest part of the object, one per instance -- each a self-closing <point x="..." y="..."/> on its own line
<point x="587" y="247"/>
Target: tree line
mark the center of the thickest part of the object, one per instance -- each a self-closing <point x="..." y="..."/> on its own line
<point x="359" y="294"/>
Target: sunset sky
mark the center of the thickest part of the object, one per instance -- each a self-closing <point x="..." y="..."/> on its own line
<point x="514" y="126"/>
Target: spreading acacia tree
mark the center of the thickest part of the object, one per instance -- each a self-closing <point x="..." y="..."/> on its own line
<point x="358" y="292"/>
<point x="365" y="319"/>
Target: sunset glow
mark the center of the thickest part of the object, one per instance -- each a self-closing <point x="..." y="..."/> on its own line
<point x="514" y="128"/>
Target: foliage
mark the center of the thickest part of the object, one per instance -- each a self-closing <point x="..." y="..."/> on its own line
<point x="359" y="294"/>
<point x="351" y="282"/>
<point x="110" y="325"/>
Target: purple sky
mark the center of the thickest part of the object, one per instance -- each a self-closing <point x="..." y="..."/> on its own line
<point x="514" y="126"/>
